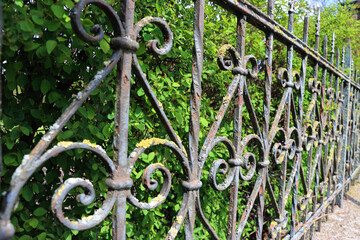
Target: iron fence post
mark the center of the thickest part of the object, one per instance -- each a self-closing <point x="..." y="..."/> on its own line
<point x="345" y="113"/>
<point x="1" y="33"/>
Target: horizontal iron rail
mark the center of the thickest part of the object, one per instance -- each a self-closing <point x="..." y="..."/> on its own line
<point x="267" y="24"/>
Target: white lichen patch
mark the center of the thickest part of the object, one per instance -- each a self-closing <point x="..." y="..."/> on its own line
<point x="46" y="138"/>
<point x="26" y="159"/>
<point x="54" y="127"/>
<point x="106" y="63"/>
<point x="79" y="95"/>
<point x="133" y="154"/>
<point x="172" y="232"/>
<point x="98" y="75"/>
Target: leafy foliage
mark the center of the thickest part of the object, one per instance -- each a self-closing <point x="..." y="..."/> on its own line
<point x="45" y="65"/>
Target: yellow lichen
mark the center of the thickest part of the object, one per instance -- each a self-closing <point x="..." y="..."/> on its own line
<point x="145" y="21"/>
<point x="65" y="144"/>
<point x="146" y="143"/>
<point x="87" y="142"/>
<point x="278" y="30"/>
<point x="179" y="219"/>
<point x="183" y="149"/>
<point x="226" y="99"/>
<point x="59" y="191"/>
<point x="159" y="198"/>
<point x="223" y="50"/>
<point x="74" y="222"/>
<point x="159" y="164"/>
<point x="160" y="105"/>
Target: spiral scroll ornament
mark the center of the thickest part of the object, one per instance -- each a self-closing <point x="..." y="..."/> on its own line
<point x="85" y="199"/>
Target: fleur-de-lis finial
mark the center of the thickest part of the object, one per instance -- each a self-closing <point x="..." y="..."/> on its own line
<point x="291" y="5"/>
<point x="318" y="24"/>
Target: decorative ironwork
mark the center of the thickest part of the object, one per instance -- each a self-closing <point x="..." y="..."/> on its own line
<point x="294" y="133"/>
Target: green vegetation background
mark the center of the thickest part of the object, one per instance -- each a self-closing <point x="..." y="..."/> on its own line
<point x="45" y="64"/>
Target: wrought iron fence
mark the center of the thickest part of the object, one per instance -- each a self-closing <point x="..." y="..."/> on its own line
<point x="317" y="148"/>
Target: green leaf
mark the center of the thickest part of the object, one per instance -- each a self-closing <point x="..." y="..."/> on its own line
<point x="53" y="96"/>
<point x="94" y="166"/>
<point x="27" y="193"/>
<point x="25" y="130"/>
<point x="53" y="25"/>
<point x="25" y="237"/>
<point x="151" y="156"/>
<point x="67" y="134"/>
<point x="90" y="111"/>
<point x="35" y="113"/>
<point x="45" y="86"/>
<point x="9" y="144"/>
<point x="50" y="45"/>
<point x="106" y="130"/>
<point x="69" y="3"/>
<point x="39" y="212"/>
<point x="37" y="19"/>
<point x="33" y="222"/>
<point x="93" y="129"/>
<point x="42" y="236"/>
<point x="31" y="46"/>
<point x="26" y="25"/>
<point x="58" y="10"/>
<point x="10" y="160"/>
<point x="140" y="92"/>
<point x="105" y="47"/>
<point x="67" y="235"/>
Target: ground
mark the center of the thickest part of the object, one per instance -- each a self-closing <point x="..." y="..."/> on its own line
<point x="344" y="223"/>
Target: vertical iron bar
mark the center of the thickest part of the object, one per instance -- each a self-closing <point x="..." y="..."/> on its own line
<point x="122" y="104"/>
<point x="346" y="92"/>
<point x="337" y="78"/>
<point x="239" y="103"/>
<point x="329" y="122"/>
<point x="323" y="118"/>
<point x="316" y="68"/>
<point x="266" y="112"/>
<point x="336" y="100"/>
<point x="300" y="123"/>
<point x="195" y="102"/>
<point x="1" y="28"/>
<point x="195" y="99"/>
<point x="290" y="49"/>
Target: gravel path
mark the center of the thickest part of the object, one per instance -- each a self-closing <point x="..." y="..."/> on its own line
<point x="345" y="224"/>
